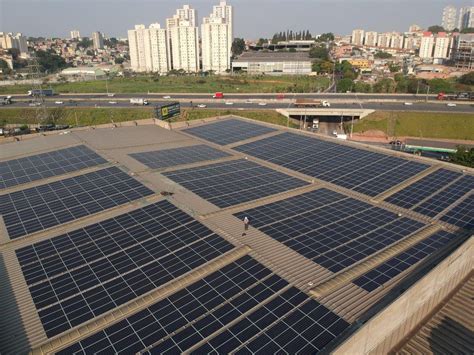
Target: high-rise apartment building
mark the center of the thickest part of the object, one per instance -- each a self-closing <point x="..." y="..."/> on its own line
<point x="75" y="34"/>
<point x="441" y="46"/>
<point x="357" y="37"/>
<point x="183" y="40"/>
<point x="98" y="40"/>
<point x="411" y="42"/>
<point x="370" y="39"/>
<point x="148" y="49"/>
<point x="449" y="18"/>
<point x="217" y="37"/>
<point x="463" y="51"/>
<point x="10" y="40"/>
<point x="426" y="46"/>
<point x="396" y="40"/>
<point x="466" y="17"/>
<point x="383" y="40"/>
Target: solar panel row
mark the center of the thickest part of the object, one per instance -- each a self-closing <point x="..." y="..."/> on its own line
<point x="234" y="182"/>
<point x="45" y="165"/>
<point x="395" y="266"/>
<point x="446" y="197"/>
<point x="207" y="307"/>
<point x="422" y="189"/>
<point x="90" y="274"/>
<point x="335" y="235"/>
<point x="180" y="156"/>
<point x="45" y="206"/>
<point x="229" y="131"/>
<point x="363" y="171"/>
<point x="461" y="215"/>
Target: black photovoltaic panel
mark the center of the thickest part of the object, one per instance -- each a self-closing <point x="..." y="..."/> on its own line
<point x="445" y="198"/>
<point x="420" y="190"/>
<point x="45" y="165"/>
<point x="85" y="273"/>
<point x="356" y="169"/>
<point x="229" y="131"/>
<point x="395" y="266"/>
<point x="205" y="308"/>
<point x="462" y="215"/>
<point x="49" y="205"/>
<point x="171" y="157"/>
<point x="335" y="234"/>
<point x="234" y="182"/>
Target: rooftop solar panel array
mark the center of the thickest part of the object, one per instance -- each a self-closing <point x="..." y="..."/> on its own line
<point x="204" y="310"/>
<point x="424" y="188"/>
<point x="45" y="165"/>
<point x="85" y="273"/>
<point x="356" y="169"/>
<point x="234" y="182"/>
<point x="229" y="131"/>
<point x="335" y="234"/>
<point x="446" y="197"/>
<point x="45" y="206"/>
<point x="395" y="266"/>
<point x="461" y="215"/>
<point x="171" y="157"/>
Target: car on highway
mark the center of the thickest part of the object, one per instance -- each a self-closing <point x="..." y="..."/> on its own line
<point x="262" y="104"/>
<point x="248" y="101"/>
<point x="34" y="104"/>
<point x="229" y="103"/>
<point x="111" y="95"/>
<point x="408" y="103"/>
<point x="113" y="102"/>
<point x="202" y="106"/>
<point x="451" y="104"/>
<point x="59" y="102"/>
<point x="167" y="97"/>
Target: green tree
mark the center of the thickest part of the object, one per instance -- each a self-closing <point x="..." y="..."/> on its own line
<point x="238" y="46"/>
<point x="119" y="60"/>
<point x="440" y="85"/>
<point x="319" y="52"/>
<point x="394" y="68"/>
<point x="382" y="55"/>
<point x="84" y="43"/>
<point x="468" y="30"/>
<point x="463" y="156"/>
<point x="436" y="29"/>
<point x="4" y="67"/>
<point x="362" y="87"/>
<point x="50" y="62"/>
<point x="385" y="85"/>
<point x="261" y="42"/>
<point x="345" y="85"/>
<point x="467" y="79"/>
<point x="326" y="37"/>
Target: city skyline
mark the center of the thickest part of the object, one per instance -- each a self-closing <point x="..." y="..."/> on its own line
<point x="250" y="16"/>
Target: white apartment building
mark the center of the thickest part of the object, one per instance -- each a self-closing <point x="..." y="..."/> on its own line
<point x="442" y="46"/>
<point x="357" y="37"/>
<point x="217" y="37"/>
<point x="466" y="17"/>
<point x="426" y="46"/>
<point x="148" y="49"/>
<point x="396" y="41"/>
<point x="75" y="34"/>
<point x="449" y="18"/>
<point x="98" y="40"/>
<point x="183" y="40"/>
<point x="10" y="40"/>
<point x="370" y="39"/>
<point x="411" y="42"/>
<point x="383" y="40"/>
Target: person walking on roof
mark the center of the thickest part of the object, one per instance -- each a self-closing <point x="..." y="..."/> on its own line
<point x="246" y="226"/>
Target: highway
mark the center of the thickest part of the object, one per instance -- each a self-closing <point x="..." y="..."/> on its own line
<point x="255" y="104"/>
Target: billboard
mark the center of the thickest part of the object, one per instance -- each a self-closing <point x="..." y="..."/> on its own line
<point x="167" y="111"/>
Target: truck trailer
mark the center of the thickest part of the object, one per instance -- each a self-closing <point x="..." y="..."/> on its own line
<point x="312" y="103"/>
<point x="139" y="102"/>
<point x="44" y="92"/>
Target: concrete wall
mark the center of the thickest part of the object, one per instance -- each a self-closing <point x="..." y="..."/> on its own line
<point x="387" y="329"/>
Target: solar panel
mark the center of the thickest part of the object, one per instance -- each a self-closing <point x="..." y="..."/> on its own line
<point x="422" y="189"/>
<point x="446" y="197"/>
<point x="234" y="182"/>
<point x="45" y="165"/>
<point x="335" y="234"/>
<point x="85" y="273"/>
<point x="356" y="169"/>
<point x="396" y="265"/>
<point x="207" y="307"/>
<point x="461" y="215"/>
<point x="171" y="157"/>
<point x="229" y="131"/>
<point x="45" y="206"/>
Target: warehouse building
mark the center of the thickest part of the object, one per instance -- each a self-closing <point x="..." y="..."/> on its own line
<point x="273" y="63"/>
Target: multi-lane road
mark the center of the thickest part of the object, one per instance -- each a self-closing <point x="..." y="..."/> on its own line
<point x="256" y="101"/>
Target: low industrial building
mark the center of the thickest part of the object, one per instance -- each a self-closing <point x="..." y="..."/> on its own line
<point x="94" y="73"/>
<point x="273" y="63"/>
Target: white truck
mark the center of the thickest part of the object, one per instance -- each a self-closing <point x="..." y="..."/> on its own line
<point x="312" y="103"/>
<point x="139" y="102"/>
<point x="315" y="124"/>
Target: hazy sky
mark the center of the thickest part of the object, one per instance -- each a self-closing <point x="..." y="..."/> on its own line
<point x="253" y="18"/>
